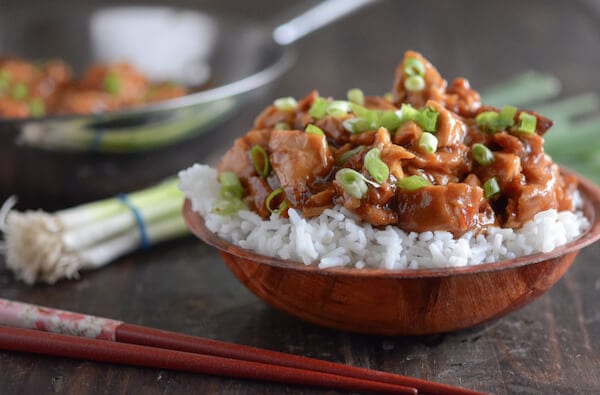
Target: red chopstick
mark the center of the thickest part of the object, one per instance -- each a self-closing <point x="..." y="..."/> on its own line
<point x="28" y="340"/>
<point x="31" y="316"/>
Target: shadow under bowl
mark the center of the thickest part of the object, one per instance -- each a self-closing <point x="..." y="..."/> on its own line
<point x="402" y="302"/>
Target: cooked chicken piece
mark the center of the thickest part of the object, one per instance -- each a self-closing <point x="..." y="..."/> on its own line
<point x="435" y="85"/>
<point x="452" y="208"/>
<point x="298" y="158"/>
<point x="237" y="159"/>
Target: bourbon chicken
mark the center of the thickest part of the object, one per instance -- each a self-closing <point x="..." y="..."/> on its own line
<point x="37" y="89"/>
<point x="427" y="157"/>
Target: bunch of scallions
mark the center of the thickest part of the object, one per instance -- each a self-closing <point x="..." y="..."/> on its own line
<point x="44" y="247"/>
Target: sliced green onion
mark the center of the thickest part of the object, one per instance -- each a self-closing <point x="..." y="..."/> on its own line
<point x="4" y="80"/>
<point x="359" y="110"/>
<point x="357" y="125"/>
<point x="318" y="109"/>
<point x="338" y="108"/>
<point x="413" y="183"/>
<point x="20" y="91"/>
<point x="390" y="120"/>
<point x="414" y="83"/>
<point x="527" y="123"/>
<point x="482" y="154"/>
<point x="508" y="113"/>
<point x="373" y="117"/>
<point x="487" y="119"/>
<point x="231" y="187"/>
<point x="282" y="126"/>
<point x="352" y="181"/>
<point x="428" y="142"/>
<point x="228" y="206"/>
<point x="282" y="206"/>
<point x="427" y="119"/>
<point x="414" y="67"/>
<point x="260" y="160"/>
<point x="286" y="104"/>
<point x="375" y="166"/>
<point x="407" y="113"/>
<point x="314" y="129"/>
<point x="356" y="96"/>
<point x="37" y="108"/>
<point x="348" y="154"/>
<point x="493" y="121"/>
<point x="112" y="83"/>
<point x="388" y="96"/>
<point x="491" y="189"/>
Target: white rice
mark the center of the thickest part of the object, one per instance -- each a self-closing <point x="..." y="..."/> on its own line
<point x="338" y="238"/>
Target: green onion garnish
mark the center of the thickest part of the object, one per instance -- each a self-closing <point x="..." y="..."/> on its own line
<point x="527" y="123"/>
<point x="260" y="160"/>
<point x="112" y="83"/>
<point x="359" y="110"/>
<point x="338" y="108"/>
<point x="413" y="67"/>
<point x="508" y="113"/>
<point x="286" y="103"/>
<point x="486" y="119"/>
<point x="413" y="183"/>
<point x="352" y="181"/>
<point x="482" y="154"/>
<point x="231" y="187"/>
<point x="491" y="189"/>
<point x="4" y="80"/>
<point x="37" y="108"/>
<point x="282" y="206"/>
<point x="20" y="91"/>
<point x="348" y="154"/>
<point x="318" y="109"/>
<point x="388" y="97"/>
<point x="426" y="118"/>
<point x="231" y="193"/>
<point x="493" y="121"/>
<point x="356" y="125"/>
<point x="228" y="206"/>
<point x="356" y="96"/>
<point x="314" y="129"/>
<point x="428" y="142"/>
<point x="375" y="166"/>
<point x="414" y="83"/>
<point x="407" y="113"/>
<point x="373" y="117"/>
<point x="282" y="126"/>
<point x="390" y="120"/>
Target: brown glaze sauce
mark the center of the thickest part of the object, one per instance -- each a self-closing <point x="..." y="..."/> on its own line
<point x="305" y="164"/>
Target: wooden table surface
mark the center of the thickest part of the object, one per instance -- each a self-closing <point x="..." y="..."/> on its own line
<point x="551" y="346"/>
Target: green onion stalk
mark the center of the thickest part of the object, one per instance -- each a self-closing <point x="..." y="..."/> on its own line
<point x="46" y="247"/>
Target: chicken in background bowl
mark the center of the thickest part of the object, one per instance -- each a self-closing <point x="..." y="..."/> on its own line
<point x="37" y="89"/>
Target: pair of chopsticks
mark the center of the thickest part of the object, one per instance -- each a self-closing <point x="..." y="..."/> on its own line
<point x="27" y="328"/>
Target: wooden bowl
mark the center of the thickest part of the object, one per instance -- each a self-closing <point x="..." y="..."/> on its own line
<point x="403" y="302"/>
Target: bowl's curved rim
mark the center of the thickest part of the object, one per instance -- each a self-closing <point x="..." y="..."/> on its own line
<point x="257" y="79"/>
<point x="590" y="194"/>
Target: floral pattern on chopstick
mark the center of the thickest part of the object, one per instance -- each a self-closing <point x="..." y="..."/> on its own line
<point x="58" y="321"/>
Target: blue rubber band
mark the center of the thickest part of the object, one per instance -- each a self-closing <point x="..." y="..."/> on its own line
<point x="144" y="239"/>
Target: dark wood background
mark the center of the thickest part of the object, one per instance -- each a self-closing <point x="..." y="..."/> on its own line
<point x="552" y="346"/>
